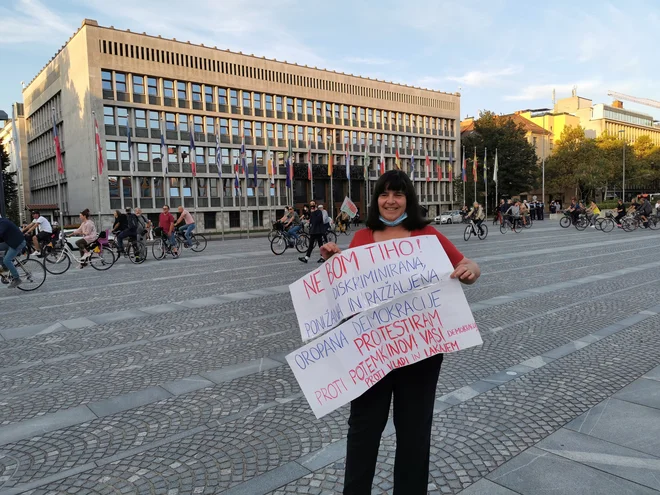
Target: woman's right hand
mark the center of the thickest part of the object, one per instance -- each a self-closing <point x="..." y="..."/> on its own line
<point x="329" y="249"/>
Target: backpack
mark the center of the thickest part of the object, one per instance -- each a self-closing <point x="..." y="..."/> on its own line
<point x="132" y="221"/>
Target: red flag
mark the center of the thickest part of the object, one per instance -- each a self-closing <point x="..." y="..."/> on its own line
<point x="309" y="160"/>
<point x="428" y="167"/>
<point x="58" y="150"/>
<point x="99" y="150"/>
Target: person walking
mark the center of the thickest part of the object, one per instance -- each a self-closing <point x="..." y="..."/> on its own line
<point x="316" y="232"/>
<point x="394" y="214"/>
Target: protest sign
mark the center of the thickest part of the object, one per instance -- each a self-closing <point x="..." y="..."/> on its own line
<point x="349" y="207"/>
<point x="365" y="277"/>
<point x="345" y="362"/>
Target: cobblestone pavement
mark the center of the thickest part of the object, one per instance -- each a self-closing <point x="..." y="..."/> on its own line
<point x="170" y="378"/>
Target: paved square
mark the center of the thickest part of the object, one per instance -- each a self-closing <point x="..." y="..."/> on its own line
<point x="170" y="378"/>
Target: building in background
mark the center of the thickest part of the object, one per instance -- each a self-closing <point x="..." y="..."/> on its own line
<point x="13" y="139"/>
<point x="151" y="85"/>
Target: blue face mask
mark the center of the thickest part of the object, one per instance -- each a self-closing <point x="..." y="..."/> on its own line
<point x="396" y="222"/>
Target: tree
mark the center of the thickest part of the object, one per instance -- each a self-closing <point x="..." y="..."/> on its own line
<point x="517" y="161"/>
<point x="10" y="188"/>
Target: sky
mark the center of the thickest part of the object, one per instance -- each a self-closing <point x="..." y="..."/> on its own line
<point x="501" y="55"/>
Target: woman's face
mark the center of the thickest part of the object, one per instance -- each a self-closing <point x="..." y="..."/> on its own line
<point x="82" y="217"/>
<point x="392" y="204"/>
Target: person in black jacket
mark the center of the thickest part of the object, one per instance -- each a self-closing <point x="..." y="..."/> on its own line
<point x="12" y="243"/>
<point x="316" y="232"/>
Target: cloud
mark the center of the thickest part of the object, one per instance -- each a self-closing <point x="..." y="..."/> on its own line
<point x="368" y="61"/>
<point x="30" y="21"/>
<point x="479" y="78"/>
<point x="544" y="91"/>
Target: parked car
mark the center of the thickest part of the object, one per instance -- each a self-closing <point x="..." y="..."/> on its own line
<point x="453" y="216"/>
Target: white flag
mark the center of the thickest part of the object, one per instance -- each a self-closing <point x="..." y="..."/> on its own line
<point x="495" y="168"/>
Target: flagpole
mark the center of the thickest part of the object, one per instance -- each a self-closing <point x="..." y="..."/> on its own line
<point x="218" y="163"/>
<point x="332" y="197"/>
<point x="98" y="177"/>
<point x="475" y="173"/>
<point x="464" y="174"/>
<point x="485" y="183"/>
<point x="497" y="201"/>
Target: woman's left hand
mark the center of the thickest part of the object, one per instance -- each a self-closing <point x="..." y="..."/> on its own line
<point x="467" y="271"/>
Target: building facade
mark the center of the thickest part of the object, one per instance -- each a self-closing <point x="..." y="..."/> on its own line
<point x="167" y="89"/>
<point x="13" y="139"/>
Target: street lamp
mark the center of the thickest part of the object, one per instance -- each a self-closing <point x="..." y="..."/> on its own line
<point x="3" y="209"/>
<point x="623" y="183"/>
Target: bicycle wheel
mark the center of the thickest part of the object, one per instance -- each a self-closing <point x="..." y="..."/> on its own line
<point x="158" y="249"/>
<point x="504" y="227"/>
<point x="57" y="262"/>
<point x="331" y="236"/>
<point x="198" y="242"/>
<point x="528" y="222"/>
<point x="565" y="222"/>
<point x="137" y="252"/>
<point x="32" y="273"/>
<point x="484" y="232"/>
<point x="654" y="223"/>
<point x="279" y="244"/>
<point x="467" y="233"/>
<point x="598" y="223"/>
<point x="103" y="259"/>
<point x="302" y="243"/>
<point x="271" y="235"/>
<point x="517" y="226"/>
<point x="582" y="223"/>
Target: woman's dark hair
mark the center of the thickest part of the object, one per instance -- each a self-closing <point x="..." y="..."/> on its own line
<point x="118" y="213"/>
<point x="85" y="213"/>
<point x="396" y="181"/>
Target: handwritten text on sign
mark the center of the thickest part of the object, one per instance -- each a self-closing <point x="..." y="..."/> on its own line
<point x="345" y="362"/>
<point x="365" y="277"/>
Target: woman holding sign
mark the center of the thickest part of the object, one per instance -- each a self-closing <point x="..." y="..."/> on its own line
<point x="394" y="213"/>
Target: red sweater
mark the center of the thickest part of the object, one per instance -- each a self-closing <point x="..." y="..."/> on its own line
<point x="366" y="236"/>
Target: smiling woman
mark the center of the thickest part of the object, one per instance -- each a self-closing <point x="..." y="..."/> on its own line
<point x="394" y="213"/>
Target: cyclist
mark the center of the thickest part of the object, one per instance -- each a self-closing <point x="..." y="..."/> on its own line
<point x="12" y="243"/>
<point x="574" y="210"/>
<point x="477" y="215"/>
<point x="88" y="231"/>
<point x="645" y="210"/>
<point x="130" y="230"/>
<point x="166" y="227"/>
<point x="185" y="216"/>
<point x="44" y="233"/>
<point x="144" y="224"/>
<point x="341" y="221"/>
<point x="513" y="213"/>
<point x="620" y="212"/>
<point x="293" y="225"/>
<point x="593" y="211"/>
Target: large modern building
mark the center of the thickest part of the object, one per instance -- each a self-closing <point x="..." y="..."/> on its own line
<point x="13" y="140"/>
<point x="152" y="85"/>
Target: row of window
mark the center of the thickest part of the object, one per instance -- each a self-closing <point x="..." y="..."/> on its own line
<point x="232" y="69"/>
<point x="236" y="98"/>
<point x="42" y="119"/>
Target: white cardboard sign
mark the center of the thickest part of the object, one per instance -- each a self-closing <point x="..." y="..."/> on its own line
<point x="365" y="277"/>
<point x="346" y="361"/>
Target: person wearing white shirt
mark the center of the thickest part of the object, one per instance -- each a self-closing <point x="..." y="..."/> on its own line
<point x="43" y="228"/>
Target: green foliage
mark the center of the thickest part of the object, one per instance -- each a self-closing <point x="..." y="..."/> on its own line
<point x="594" y="166"/>
<point x="518" y="168"/>
<point x="10" y="187"/>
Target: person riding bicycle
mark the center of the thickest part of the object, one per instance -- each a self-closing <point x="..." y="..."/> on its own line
<point x="513" y="213"/>
<point x="501" y="210"/>
<point x="477" y="215"/>
<point x="593" y="212"/>
<point x="620" y="212"/>
<point x="144" y="224"/>
<point x="645" y="211"/>
<point x="185" y="216"/>
<point x="43" y="235"/>
<point x="166" y="229"/>
<point x="88" y="230"/>
<point x="130" y="231"/>
<point x="12" y="243"/>
<point x="574" y="210"/>
<point x="293" y="224"/>
<point x="341" y="221"/>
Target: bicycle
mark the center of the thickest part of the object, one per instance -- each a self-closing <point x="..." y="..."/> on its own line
<point x="283" y="240"/>
<point x="162" y="247"/>
<point x="31" y="272"/>
<point x="582" y="222"/>
<point x="566" y="220"/>
<point x="606" y="223"/>
<point x="471" y="229"/>
<point x="197" y="241"/>
<point x="511" y="223"/>
<point x="135" y="250"/>
<point x="59" y="259"/>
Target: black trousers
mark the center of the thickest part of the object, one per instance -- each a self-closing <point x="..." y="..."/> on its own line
<point x="413" y="388"/>
<point x="314" y="238"/>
